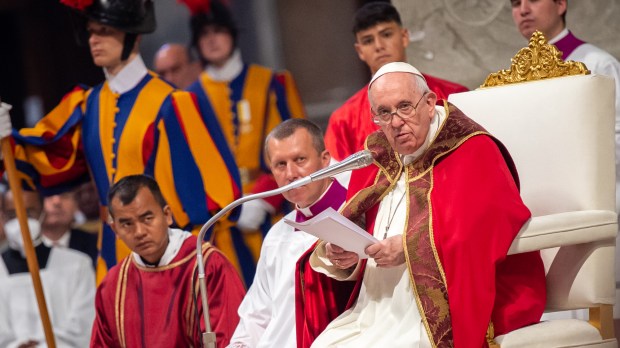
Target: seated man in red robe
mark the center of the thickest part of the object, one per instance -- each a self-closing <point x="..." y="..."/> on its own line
<point x="150" y="298"/>
<point x="379" y="39"/>
<point x="442" y="198"/>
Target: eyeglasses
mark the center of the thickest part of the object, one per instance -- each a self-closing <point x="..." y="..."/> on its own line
<point x="404" y="111"/>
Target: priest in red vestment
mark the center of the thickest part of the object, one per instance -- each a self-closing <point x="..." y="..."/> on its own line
<point x="151" y="298"/>
<point x="379" y="39"/>
<point x="442" y="199"/>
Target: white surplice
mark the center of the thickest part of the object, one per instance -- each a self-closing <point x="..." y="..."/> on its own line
<point x="69" y="287"/>
<point x="267" y="313"/>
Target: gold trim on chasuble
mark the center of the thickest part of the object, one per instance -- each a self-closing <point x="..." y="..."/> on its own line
<point x="540" y="60"/>
<point x="426" y="273"/>
<point x="121" y="289"/>
<point x="119" y="302"/>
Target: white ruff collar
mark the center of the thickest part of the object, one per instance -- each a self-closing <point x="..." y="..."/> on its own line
<point x="231" y="69"/>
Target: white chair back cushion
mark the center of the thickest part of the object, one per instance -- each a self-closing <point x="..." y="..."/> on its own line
<point x="560" y="134"/>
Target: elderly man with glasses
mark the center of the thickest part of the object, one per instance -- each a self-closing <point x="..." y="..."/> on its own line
<point x="443" y="200"/>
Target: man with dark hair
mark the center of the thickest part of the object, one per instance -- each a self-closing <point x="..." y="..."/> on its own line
<point x="293" y="149"/>
<point x="131" y="123"/>
<point x="150" y="299"/>
<point x="379" y="39"/>
<point x="249" y="100"/>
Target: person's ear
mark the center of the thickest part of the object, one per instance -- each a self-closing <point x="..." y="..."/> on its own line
<point x="110" y="221"/>
<point x="562" y="5"/>
<point x="360" y="51"/>
<point x="431" y="98"/>
<point x="405" y="37"/>
<point x="326" y="157"/>
<point x="168" y="215"/>
<point x="136" y="45"/>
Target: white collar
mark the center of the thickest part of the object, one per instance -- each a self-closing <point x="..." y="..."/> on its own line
<point x="559" y="37"/>
<point x="129" y="76"/>
<point x="231" y="69"/>
<point x="176" y="238"/>
<point x="63" y="241"/>
<point x="440" y="114"/>
<point x="306" y="211"/>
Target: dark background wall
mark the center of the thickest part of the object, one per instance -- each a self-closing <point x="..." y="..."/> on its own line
<point x="460" y="41"/>
<point x="38" y="55"/>
<point x="40" y="60"/>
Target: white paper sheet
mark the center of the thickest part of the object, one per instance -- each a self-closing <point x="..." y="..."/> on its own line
<point x="334" y="228"/>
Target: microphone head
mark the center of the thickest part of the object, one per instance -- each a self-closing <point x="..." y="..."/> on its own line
<point x="365" y="158"/>
<point x="357" y="160"/>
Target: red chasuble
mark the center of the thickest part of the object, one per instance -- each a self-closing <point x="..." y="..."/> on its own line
<point x="464" y="212"/>
<point x="351" y="123"/>
<point x="160" y="307"/>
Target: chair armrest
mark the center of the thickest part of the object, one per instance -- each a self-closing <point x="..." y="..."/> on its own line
<point x="556" y="230"/>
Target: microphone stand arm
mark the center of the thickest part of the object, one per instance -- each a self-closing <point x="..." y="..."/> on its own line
<point x="357" y="160"/>
<point x="208" y="337"/>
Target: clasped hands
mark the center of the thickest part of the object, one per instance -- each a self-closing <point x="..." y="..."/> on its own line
<point x="386" y="253"/>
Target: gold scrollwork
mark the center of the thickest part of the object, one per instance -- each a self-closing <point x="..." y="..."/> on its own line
<point x="540" y="60"/>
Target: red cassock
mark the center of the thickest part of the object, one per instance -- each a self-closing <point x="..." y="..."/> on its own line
<point x="350" y="124"/>
<point x="160" y="307"/>
<point x="475" y="212"/>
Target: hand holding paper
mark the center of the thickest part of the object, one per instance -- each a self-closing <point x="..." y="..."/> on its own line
<point x="334" y="228"/>
<point x="339" y="257"/>
<point x="389" y="252"/>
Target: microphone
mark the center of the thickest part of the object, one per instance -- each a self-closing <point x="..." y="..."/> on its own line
<point x="357" y="160"/>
